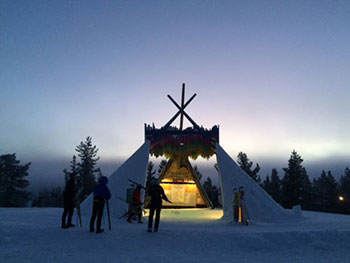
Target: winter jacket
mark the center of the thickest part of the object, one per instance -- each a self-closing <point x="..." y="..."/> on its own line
<point x="136" y="197"/>
<point x="156" y="192"/>
<point x="101" y="190"/>
<point x="69" y="190"/>
<point x="237" y="199"/>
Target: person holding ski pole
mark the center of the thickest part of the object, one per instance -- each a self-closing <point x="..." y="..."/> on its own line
<point x="136" y="205"/>
<point x="156" y="193"/>
<point x="68" y="201"/>
<point x="101" y="193"/>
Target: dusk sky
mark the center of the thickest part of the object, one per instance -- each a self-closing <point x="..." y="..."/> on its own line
<point x="273" y="74"/>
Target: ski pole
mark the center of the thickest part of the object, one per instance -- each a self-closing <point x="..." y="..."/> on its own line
<point x="109" y="217"/>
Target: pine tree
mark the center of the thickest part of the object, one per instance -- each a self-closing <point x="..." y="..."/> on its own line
<point x="86" y="168"/>
<point x="266" y="184"/>
<point x="73" y="168"/>
<point x="13" y="182"/>
<point x="212" y="192"/>
<point x="344" y="190"/>
<point x="246" y="165"/>
<point x="275" y="186"/>
<point x="325" y="192"/>
<point x="296" y="186"/>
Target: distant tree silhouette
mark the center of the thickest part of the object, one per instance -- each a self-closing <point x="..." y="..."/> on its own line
<point x="49" y="198"/>
<point x="86" y="168"/>
<point x="296" y="186"/>
<point x="325" y="193"/>
<point x="273" y="186"/>
<point x="73" y="168"/>
<point x="13" y="182"/>
<point x="212" y="192"/>
<point x="246" y="165"/>
<point x="344" y="190"/>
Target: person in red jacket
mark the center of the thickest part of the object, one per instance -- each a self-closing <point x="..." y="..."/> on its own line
<point x="136" y="208"/>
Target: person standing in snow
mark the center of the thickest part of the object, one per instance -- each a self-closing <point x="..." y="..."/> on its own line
<point x="156" y="194"/>
<point x="245" y="218"/>
<point x="68" y="199"/>
<point x="136" y="208"/>
<point x="236" y="204"/>
<point x="101" y="193"/>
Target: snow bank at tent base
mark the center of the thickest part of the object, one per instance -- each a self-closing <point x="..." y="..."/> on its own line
<point x="34" y="235"/>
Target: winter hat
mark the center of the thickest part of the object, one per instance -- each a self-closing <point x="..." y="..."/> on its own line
<point x="155" y="181"/>
<point x="104" y="180"/>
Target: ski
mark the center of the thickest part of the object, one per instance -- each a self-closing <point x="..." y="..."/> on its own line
<point x="132" y="181"/>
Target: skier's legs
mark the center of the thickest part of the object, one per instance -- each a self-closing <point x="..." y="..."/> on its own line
<point x="65" y="212"/>
<point x="235" y="213"/>
<point x="64" y="215"/>
<point x="94" y="214"/>
<point x="150" y="217"/>
<point x="139" y="211"/>
<point x="156" y="224"/>
<point x="130" y="213"/>
<point x="70" y="212"/>
<point x="100" y="214"/>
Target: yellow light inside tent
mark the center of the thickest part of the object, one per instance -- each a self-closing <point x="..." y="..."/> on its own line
<point x="166" y="181"/>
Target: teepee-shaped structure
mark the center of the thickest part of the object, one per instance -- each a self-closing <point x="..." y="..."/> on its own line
<point x="178" y="178"/>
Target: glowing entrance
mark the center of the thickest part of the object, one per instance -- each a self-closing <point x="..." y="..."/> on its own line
<point x="178" y="178"/>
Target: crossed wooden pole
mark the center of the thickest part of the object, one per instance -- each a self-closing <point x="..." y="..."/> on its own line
<point x="181" y="111"/>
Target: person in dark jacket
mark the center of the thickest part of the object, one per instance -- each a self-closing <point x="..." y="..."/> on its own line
<point x="101" y="193"/>
<point x="136" y="208"/>
<point x="68" y="199"/>
<point x="156" y="193"/>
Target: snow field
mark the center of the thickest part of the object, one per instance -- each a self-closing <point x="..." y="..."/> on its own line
<point x="34" y="235"/>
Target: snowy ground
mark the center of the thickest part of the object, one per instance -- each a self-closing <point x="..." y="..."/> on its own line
<point x="34" y="235"/>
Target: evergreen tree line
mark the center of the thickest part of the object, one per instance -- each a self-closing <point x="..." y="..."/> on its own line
<point x="87" y="175"/>
<point x="13" y="182"/>
<point x="295" y="188"/>
<point x="322" y="194"/>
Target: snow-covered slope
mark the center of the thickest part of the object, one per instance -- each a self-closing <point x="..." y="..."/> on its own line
<point x="34" y="235"/>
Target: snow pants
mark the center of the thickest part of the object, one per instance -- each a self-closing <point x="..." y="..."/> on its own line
<point x="157" y="209"/>
<point x="97" y="211"/>
<point x="68" y="210"/>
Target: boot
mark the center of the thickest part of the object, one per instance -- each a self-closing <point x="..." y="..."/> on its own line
<point x="70" y="225"/>
<point x="99" y="231"/>
<point x="64" y="226"/>
<point x="92" y="230"/>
